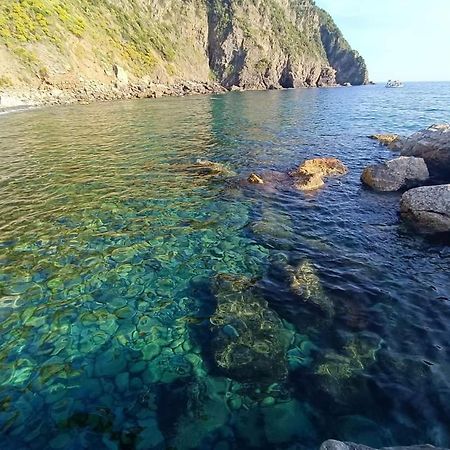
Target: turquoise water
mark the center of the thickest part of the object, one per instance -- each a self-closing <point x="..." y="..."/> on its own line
<point x="145" y="304"/>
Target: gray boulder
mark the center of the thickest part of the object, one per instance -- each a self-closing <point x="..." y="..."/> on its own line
<point x="338" y="445"/>
<point x="428" y="208"/>
<point x="396" y="174"/>
<point x="433" y="145"/>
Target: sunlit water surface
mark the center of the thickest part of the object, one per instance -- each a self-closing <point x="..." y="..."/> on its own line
<point x="132" y="288"/>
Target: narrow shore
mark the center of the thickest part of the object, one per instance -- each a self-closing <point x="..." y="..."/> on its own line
<point x="93" y="91"/>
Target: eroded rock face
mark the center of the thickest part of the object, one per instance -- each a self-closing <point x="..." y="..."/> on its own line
<point x="338" y="445"/>
<point x="396" y="174"/>
<point x="310" y="175"/>
<point x="428" y="208"/>
<point x="433" y="145"/>
<point x="249" y="341"/>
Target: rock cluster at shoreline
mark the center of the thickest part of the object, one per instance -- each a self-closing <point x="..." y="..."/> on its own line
<point x="400" y="173"/>
<point x="424" y="165"/>
<point x="95" y="92"/>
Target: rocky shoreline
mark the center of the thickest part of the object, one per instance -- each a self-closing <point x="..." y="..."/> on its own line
<point x="83" y="92"/>
<point x="422" y="172"/>
<point x="48" y="95"/>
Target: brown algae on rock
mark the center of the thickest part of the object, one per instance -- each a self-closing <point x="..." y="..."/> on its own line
<point x="249" y="340"/>
<point x="305" y="282"/>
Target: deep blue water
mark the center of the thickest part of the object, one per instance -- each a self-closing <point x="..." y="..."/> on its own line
<point x="146" y="305"/>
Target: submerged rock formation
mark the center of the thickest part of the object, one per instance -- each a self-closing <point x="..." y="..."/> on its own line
<point x="249" y="341"/>
<point x="396" y="174"/>
<point x="305" y="282"/>
<point x="210" y="168"/>
<point x="123" y="46"/>
<point x="428" y="208"/>
<point x="338" y="445"/>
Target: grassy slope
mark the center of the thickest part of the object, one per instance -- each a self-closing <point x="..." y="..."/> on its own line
<point x="41" y="35"/>
<point x="163" y="39"/>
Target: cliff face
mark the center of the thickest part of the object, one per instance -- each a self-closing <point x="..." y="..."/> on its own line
<point x="252" y="44"/>
<point x="350" y="66"/>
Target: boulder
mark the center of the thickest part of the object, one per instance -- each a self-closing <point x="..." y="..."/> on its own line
<point x="428" y="208"/>
<point x="433" y="145"/>
<point x="338" y="445"/>
<point x="400" y="173"/>
<point x="393" y="141"/>
<point x="310" y="175"/>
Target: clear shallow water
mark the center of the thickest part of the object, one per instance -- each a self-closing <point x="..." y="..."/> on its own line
<point x="132" y="287"/>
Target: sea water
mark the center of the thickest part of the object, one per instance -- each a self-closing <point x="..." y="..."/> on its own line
<point x="147" y="304"/>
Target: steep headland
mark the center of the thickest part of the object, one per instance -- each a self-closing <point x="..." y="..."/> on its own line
<point x="133" y="47"/>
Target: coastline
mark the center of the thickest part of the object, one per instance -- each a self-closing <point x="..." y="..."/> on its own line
<point x="49" y="95"/>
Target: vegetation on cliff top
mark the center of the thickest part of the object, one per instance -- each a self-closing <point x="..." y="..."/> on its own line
<point x="164" y="39"/>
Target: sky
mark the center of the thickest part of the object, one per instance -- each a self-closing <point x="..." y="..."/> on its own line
<point x="408" y="40"/>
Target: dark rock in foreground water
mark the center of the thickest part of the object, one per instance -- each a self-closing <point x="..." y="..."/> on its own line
<point x="338" y="445"/>
<point x="399" y="173"/>
<point x="428" y="208"/>
<point x="249" y="340"/>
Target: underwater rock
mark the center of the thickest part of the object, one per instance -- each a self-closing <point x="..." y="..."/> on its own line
<point x="338" y="445"/>
<point x="399" y="173"/>
<point x="310" y="175"/>
<point x="286" y="422"/>
<point x="361" y="429"/>
<point x="62" y="440"/>
<point x="306" y="284"/>
<point x="255" y="179"/>
<point x="125" y="254"/>
<point x="256" y="349"/>
<point x="392" y="141"/>
<point x="150" y="437"/>
<point x="110" y="363"/>
<point x="273" y="225"/>
<point x="249" y="429"/>
<point x="211" y="168"/>
<point x="168" y="367"/>
<point x="358" y="354"/>
<point x="206" y="412"/>
<point x="299" y="356"/>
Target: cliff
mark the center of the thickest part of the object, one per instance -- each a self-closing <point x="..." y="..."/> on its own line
<point x="253" y="44"/>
